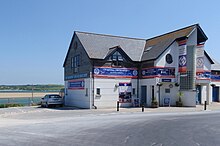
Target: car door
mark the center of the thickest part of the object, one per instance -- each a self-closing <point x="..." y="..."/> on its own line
<point x="44" y="100"/>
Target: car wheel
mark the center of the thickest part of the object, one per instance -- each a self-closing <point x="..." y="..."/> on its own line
<point x="47" y="105"/>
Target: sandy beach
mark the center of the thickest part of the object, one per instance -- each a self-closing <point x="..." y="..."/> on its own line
<point x="24" y="94"/>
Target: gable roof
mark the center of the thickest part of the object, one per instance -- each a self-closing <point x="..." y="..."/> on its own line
<point x="160" y="43"/>
<point x="211" y="60"/>
<point x="117" y="48"/>
<point x="215" y="66"/>
<point x="97" y="45"/>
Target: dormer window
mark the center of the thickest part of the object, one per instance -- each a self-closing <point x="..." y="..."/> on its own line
<point x="117" y="59"/>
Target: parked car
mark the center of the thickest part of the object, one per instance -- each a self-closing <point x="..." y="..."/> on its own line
<point x="51" y="100"/>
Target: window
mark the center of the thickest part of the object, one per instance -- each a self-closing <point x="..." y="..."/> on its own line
<point x="72" y="62"/>
<point x="86" y="92"/>
<point x="169" y="58"/>
<point x="133" y="91"/>
<point x="152" y="91"/>
<point x="98" y="91"/>
<point x="117" y="59"/>
<point x="148" y="49"/>
<point x="75" y="63"/>
<point x="167" y="90"/>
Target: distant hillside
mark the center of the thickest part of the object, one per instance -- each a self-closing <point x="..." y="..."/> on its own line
<point x="49" y="87"/>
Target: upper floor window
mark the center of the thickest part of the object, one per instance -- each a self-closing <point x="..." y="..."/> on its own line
<point x="169" y="58"/>
<point x="75" y="63"/>
<point x="117" y="59"/>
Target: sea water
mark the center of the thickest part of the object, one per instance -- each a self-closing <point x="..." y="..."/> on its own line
<point x="21" y="100"/>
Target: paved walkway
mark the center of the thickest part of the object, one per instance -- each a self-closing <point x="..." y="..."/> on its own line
<point x="35" y="109"/>
<point x="212" y="107"/>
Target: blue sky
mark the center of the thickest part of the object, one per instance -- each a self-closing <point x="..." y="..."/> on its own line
<point x="35" y="34"/>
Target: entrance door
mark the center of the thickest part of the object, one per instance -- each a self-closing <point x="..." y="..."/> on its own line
<point x="215" y="94"/>
<point x="198" y="94"/>
<point x="144" y="95"/>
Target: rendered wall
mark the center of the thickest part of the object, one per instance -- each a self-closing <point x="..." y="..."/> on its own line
<point x="109" y="91"/>
<point x="78" y="97"/>
<point x="189" y="98"/>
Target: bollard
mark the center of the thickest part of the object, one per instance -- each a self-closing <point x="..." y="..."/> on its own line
<point x="142" y="107"/>
<point x="205" y="105"/>
<point x="117" y="105"/>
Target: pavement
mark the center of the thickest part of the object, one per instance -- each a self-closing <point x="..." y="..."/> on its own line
<point x="77" y="111"/>
<point x="34" y="126"/>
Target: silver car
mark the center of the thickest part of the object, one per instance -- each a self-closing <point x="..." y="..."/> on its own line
<point x="51" y="100"/>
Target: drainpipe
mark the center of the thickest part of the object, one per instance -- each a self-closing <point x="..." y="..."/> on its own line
<point x="93" y="87"/>
<point x="138" y="82"/>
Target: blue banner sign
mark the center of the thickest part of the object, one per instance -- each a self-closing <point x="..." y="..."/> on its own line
<point x="158" y="72"/>
<point x="76" y="84"/>
<point x="203" y="75"/>
<point x="115" y="72"/>
<point x="166" y="80"/>
<point x="215" y="77"/>
<point x="78" y="76"/>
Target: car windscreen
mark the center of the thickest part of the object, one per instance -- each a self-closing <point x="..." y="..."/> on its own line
<point x="55" y="96"/>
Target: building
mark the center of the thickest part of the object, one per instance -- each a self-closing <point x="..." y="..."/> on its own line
<point x="100" y="70"/>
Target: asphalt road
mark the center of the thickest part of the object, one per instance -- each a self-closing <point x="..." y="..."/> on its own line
<point x="51" y="127"/>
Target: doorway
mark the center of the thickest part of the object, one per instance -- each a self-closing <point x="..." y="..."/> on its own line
<point x="215" y="94"/>
<point x="198" y="94"/>
<point x="144" y="95"/>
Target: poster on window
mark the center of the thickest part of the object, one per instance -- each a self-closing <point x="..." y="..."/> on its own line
<point x="125" y="92"/>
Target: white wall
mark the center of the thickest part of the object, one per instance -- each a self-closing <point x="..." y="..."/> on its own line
<point x="172" y="95"/>
<point x="204" y="94"/>
<point x="78" y="97"/>
<point x="161" y="61"/>
<point x="109" y="94"/>
<point x="207" y="64"/>
<point x="192" y="40"/>
<point x="189" y="98"/>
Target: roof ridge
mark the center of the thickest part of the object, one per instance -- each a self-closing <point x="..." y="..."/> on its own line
<point x="110" y="35"/>
<point x="172" y="31"/>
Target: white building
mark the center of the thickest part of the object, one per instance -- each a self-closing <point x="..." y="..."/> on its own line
<point x="100" y="70"/>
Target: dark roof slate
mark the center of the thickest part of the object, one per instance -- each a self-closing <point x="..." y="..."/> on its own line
<point x="98" y="46"/>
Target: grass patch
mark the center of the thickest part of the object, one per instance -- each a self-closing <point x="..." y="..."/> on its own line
<point x="10" y="105"/>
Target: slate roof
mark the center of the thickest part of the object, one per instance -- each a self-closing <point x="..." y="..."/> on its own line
<point x="98" y="46"/>
<point x="216" y="65"/>
<point x="160" y="43"/>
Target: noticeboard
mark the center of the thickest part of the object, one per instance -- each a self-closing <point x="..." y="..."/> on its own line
<point x="166" y="101"/>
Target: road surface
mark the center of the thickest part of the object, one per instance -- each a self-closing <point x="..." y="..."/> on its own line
<point x="52" y="127"/>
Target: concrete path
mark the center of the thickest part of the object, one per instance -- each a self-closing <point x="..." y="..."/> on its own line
<point x="76" y="111"/>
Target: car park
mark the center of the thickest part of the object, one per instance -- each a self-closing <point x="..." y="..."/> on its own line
<point x="51" y="100"/>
